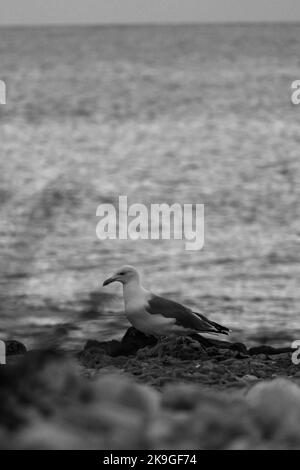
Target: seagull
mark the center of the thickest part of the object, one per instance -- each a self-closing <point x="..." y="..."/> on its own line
<point x="155" y="315"/>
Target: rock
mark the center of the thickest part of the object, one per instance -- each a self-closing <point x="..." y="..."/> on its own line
<point x="172" y="360"/>
<point x="14" y="348"/>
<point x="219" y="370"/>
<point x="112" y="348"/>
<point x="261" y="374"/>
<point x="249" y="377"/>
<point x="134" y="340"/>
<point x="219" y="344"/>
<point x="131" y="342"/>
<point x="116" y="389"/>
<point x="269" y="350"/>
<point x="231" y="378"/>
<point x="239" y="347"/>
<point x="44" y="435"/>
<point x="262" y="357"/>
<point x="276" y="409"/>
<point x="229" y="361"/>
<point x="181" y="397"/>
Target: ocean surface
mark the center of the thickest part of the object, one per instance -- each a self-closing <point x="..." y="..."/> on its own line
<point x="162" y="114"/>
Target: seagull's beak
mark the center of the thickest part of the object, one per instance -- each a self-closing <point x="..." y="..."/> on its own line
<point x="110" y="280"/>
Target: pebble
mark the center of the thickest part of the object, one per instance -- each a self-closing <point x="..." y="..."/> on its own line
<point x="250" y="378"/>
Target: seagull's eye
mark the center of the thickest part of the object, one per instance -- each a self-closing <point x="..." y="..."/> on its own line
<point x="121" y="274"/>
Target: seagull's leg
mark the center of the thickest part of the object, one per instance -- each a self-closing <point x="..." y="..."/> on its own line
<point x="160" y="343"/>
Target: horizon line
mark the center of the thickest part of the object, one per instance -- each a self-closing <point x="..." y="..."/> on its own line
<point x="154" y="23"/>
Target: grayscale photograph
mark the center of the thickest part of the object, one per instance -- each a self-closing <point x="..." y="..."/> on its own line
<point x="149" y="228"/>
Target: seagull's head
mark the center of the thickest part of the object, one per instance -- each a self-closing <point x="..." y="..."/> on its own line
<point x="124" y="275"/>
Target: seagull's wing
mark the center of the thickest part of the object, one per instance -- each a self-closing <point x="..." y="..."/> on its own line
<point x="184" y="317"/>
<point x="220" y="328"/>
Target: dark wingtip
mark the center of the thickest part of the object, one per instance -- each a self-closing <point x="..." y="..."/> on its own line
<point x="219" y="328"/>
<point x="222" y="329"/>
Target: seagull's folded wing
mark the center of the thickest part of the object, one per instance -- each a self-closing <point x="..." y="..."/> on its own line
<point x="184" y="316"/>
<point x="220" y="328"/>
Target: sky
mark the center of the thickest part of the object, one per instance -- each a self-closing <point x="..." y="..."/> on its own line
<point x="146" y="11"/>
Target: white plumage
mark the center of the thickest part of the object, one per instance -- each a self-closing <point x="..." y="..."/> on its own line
<point x="155" y="315"/>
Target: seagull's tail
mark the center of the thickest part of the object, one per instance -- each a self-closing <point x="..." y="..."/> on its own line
<point x="215" y="336"/>
<point x="223" y="330"/>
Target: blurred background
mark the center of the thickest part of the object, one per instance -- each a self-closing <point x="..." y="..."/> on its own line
<point x="163" y="114"/>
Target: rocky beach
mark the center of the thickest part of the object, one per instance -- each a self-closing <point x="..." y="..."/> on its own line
<point x="171" y="394"/>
